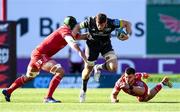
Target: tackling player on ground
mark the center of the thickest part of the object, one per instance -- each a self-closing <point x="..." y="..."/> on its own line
<point x="41" y="59"/>
<point x="130" y="82"/>
<point x="100" y="28"/>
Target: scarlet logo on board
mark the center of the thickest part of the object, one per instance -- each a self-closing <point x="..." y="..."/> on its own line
<point x="170" y="23"/>
<point x="3" y="38"/>
<point x="4" y="68"/>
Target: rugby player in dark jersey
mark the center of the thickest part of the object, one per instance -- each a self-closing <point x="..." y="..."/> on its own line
<point x="100" y="28"/>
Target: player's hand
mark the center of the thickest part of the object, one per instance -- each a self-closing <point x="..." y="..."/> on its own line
<point x="123" y="37"/>
<point x="114" y="99"/>
<point x="128" y="28"/>
<point x="82" y="55"/>
<point x="89" y="37"/>
<point x="146" y="75"/>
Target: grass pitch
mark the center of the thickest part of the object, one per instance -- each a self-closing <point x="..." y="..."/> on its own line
<point x="30" y="100"/>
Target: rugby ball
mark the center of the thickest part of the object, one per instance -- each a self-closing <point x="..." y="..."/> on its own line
<point x="120" y="32"/>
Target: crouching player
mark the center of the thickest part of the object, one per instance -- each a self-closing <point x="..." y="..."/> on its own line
<point x="131" y="83"/>
<point x="41" y="59"/>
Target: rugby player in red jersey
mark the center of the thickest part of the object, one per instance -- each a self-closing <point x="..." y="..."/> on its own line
<point x="130" y="82"/>
<point x="41" y="59"/>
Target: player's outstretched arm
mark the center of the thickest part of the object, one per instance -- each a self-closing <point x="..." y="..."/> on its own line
<point x="75" y="30"/>
<point x="114" y="95"/>
<point x="115" y="92"/>
<point x="72" y="43"/>
<point x="83" y="36"/>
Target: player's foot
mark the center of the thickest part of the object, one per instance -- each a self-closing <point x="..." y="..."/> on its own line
<point x="166" y="82"/>
<point x="6" y="95"/>
<point x="82" y="96"/>
<point x="97" y="73"/>
<point x="51" y="100"/>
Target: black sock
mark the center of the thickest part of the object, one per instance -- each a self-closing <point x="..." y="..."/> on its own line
<point x="84" y="84"/>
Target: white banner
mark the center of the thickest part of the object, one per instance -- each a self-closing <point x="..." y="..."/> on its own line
<point x="37" y="18"/>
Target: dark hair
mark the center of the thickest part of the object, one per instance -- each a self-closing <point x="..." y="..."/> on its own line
<point x="70" y="21"/>
<point x="130" y="70"/>
<point x="101" y="18"/>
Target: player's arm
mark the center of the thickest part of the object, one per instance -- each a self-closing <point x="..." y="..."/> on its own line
<point x="79" y="26"/>
<point x="115" y="93"/>
<point x="82" y="36"/>
<point x="127" y="25"/>
<point x="72" y="43"/>
<point x="121" y="24"/>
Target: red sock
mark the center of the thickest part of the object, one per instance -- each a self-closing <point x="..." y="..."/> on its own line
<point x="16" y="84"/>
<point x="53" y="85"/>
<point x="158" y="87"/>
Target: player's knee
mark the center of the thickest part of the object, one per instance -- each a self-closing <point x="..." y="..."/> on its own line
<point x="57" y="69"/>
<point x="32" y="72"/>
<point x="142" y="99"/>
<point x="112" y="67"/>
<point x="60" y="72"/>
<point x="87" y="68"/>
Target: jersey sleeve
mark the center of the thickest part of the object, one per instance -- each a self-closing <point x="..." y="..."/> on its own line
<point x="85" y="23"/>
<point x="117" y="85"/>
<point x="116" y="88"/>
<point x="65" y="31"/>
<point x="117" y="23"/>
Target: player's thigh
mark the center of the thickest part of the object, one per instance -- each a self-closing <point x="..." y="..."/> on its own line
<point x="92" y="51"/>
<point x="53" y="67"/>
<point x="145" y="96"/>
<point x="111" y="60"/>
<point x="108" y="53"/>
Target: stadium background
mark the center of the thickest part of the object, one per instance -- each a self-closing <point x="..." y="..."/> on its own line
<point x="154" y="46"/>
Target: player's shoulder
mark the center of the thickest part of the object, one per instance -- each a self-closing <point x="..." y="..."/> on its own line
<point x="90" y="19"/>
<point x="64" y="28"/>
<point x="122" y="78"/>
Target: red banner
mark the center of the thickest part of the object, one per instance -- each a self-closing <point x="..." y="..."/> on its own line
<point x="7" y="53"/>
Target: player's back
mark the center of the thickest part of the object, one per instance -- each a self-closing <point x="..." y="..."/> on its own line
<point x="54" y="42"/>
